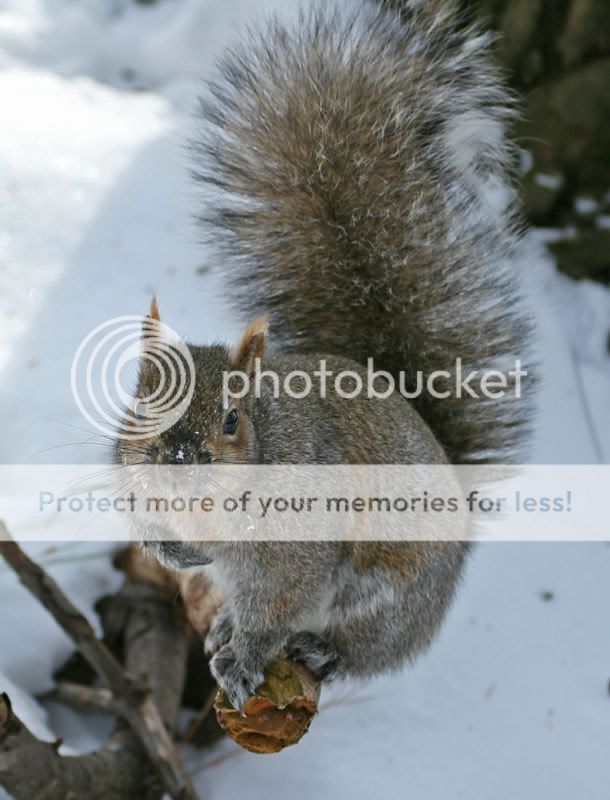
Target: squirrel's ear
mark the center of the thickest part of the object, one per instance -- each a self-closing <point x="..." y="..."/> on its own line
<point x="151" y="325"/>
<point x="251" y="345"/>
<point x="153" y="312"/>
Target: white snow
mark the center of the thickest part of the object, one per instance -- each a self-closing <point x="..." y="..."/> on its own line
<point x="548" y="181"/>
<point x="512" y="701"/>
<point x="586" y="205"/>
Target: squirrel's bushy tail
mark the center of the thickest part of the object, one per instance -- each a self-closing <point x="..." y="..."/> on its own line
<point x="349" y="159"/>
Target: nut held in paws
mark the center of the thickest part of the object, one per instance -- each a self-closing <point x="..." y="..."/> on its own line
<point x="278" y="715"/>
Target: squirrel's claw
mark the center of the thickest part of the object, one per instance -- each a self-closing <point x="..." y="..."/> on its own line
<point x="238" y="680"/>
<point x="220" y="633"/>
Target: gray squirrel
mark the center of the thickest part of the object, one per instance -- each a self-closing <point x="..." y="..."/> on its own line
<point x="348" y="157"/>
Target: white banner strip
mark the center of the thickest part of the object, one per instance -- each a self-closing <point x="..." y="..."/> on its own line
<point x="223" y="502"/>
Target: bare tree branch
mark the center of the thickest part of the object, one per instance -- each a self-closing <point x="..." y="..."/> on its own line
<point x="86" y="698"/>
<point x="130" y="694"/>
<point x="31" y="768"/>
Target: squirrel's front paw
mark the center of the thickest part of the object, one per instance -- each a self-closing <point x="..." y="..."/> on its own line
<point x="238" y="679"/>
<point x="318" y="654"/>
<point x="220" y="633"/>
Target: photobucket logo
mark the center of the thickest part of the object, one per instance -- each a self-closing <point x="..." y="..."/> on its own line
<point x="105" y="369"/>
<point x="458" y="382"/>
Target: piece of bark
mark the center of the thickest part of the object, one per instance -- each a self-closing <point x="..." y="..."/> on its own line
<point x="194" y="727"/>
<point x="31" y="768"/>
<point x="154" y="643"/>
<point x="198" y="688"/>
<point x="201" y="600"/>
<point x="142" y="568"/>
<point x="85" y="698"/>
<point x="278" y="715"/>
<point x="198" y="685"/>
<point x="156" y="652"/>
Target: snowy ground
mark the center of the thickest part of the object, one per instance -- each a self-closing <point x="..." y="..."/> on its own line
<point x="513" y="700"/>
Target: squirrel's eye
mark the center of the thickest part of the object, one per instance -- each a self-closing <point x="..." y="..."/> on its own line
<point x="231" y="421"/>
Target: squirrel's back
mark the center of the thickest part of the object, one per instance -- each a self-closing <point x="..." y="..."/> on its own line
<point x="349" y="159"/>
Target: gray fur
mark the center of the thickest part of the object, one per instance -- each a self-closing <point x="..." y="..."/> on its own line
<point x="350" y="159"/>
